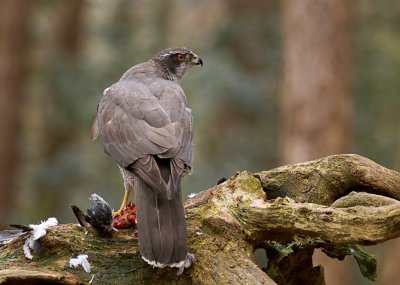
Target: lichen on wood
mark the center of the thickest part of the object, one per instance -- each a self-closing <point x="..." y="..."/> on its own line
<point x="334" y="202"/>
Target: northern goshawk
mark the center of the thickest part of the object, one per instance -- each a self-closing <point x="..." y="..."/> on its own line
<point x="145" y="125"/>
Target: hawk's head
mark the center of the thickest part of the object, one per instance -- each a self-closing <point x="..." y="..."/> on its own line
<point x="175" y="61"/>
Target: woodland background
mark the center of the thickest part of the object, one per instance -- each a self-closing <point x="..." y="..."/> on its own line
<point x="283" y="82"/>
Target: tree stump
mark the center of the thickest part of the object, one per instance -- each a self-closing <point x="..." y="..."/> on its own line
<point x="334" y="203"/>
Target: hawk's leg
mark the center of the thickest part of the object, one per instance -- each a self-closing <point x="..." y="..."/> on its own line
<point x="125" y="201"/>
<point x="128" y="184"/>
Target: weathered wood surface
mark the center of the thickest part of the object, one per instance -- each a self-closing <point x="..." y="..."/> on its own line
<point x="330" y="203"/>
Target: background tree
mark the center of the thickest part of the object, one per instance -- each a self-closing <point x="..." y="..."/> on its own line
<point x="316" y="102"/>
<point x="13" y="56"/>
<point x="317" y="76"/>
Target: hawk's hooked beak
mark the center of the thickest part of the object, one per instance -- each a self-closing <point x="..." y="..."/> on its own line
<point x="196" y="60"/>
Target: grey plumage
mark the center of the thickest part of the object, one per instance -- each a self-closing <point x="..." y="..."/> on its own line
<point x="145" y="126"/>
<point x="8" y="235"/>
<point x="99" y="216"/>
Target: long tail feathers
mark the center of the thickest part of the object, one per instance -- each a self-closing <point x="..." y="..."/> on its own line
<point x="161" y="222"/>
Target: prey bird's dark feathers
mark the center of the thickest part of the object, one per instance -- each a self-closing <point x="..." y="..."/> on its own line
<point x="98" y="216"/>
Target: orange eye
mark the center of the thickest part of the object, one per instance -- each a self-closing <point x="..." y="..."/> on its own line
<point x="181" y="57"/>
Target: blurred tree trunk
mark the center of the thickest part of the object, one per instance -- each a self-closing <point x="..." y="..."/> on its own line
<point x="316" y="90"/>
<point x="64" y="50"/>
<point x="150" y="17"/>
<point x="68" y="26"/>
<point x="391" y="249"/>
<point x="390" y="264"/>
<point x="242" y="37"/>
<point x="13" y="54"/>
<point x="61" y="49"/>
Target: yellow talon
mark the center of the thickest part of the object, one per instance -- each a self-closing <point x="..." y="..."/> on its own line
<point x="124" y="203"/>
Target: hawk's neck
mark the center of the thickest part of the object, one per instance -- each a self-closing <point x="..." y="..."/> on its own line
<point x="146" y="70"/>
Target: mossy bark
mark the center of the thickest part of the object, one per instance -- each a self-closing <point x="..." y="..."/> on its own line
<point x="297" y="207"/>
